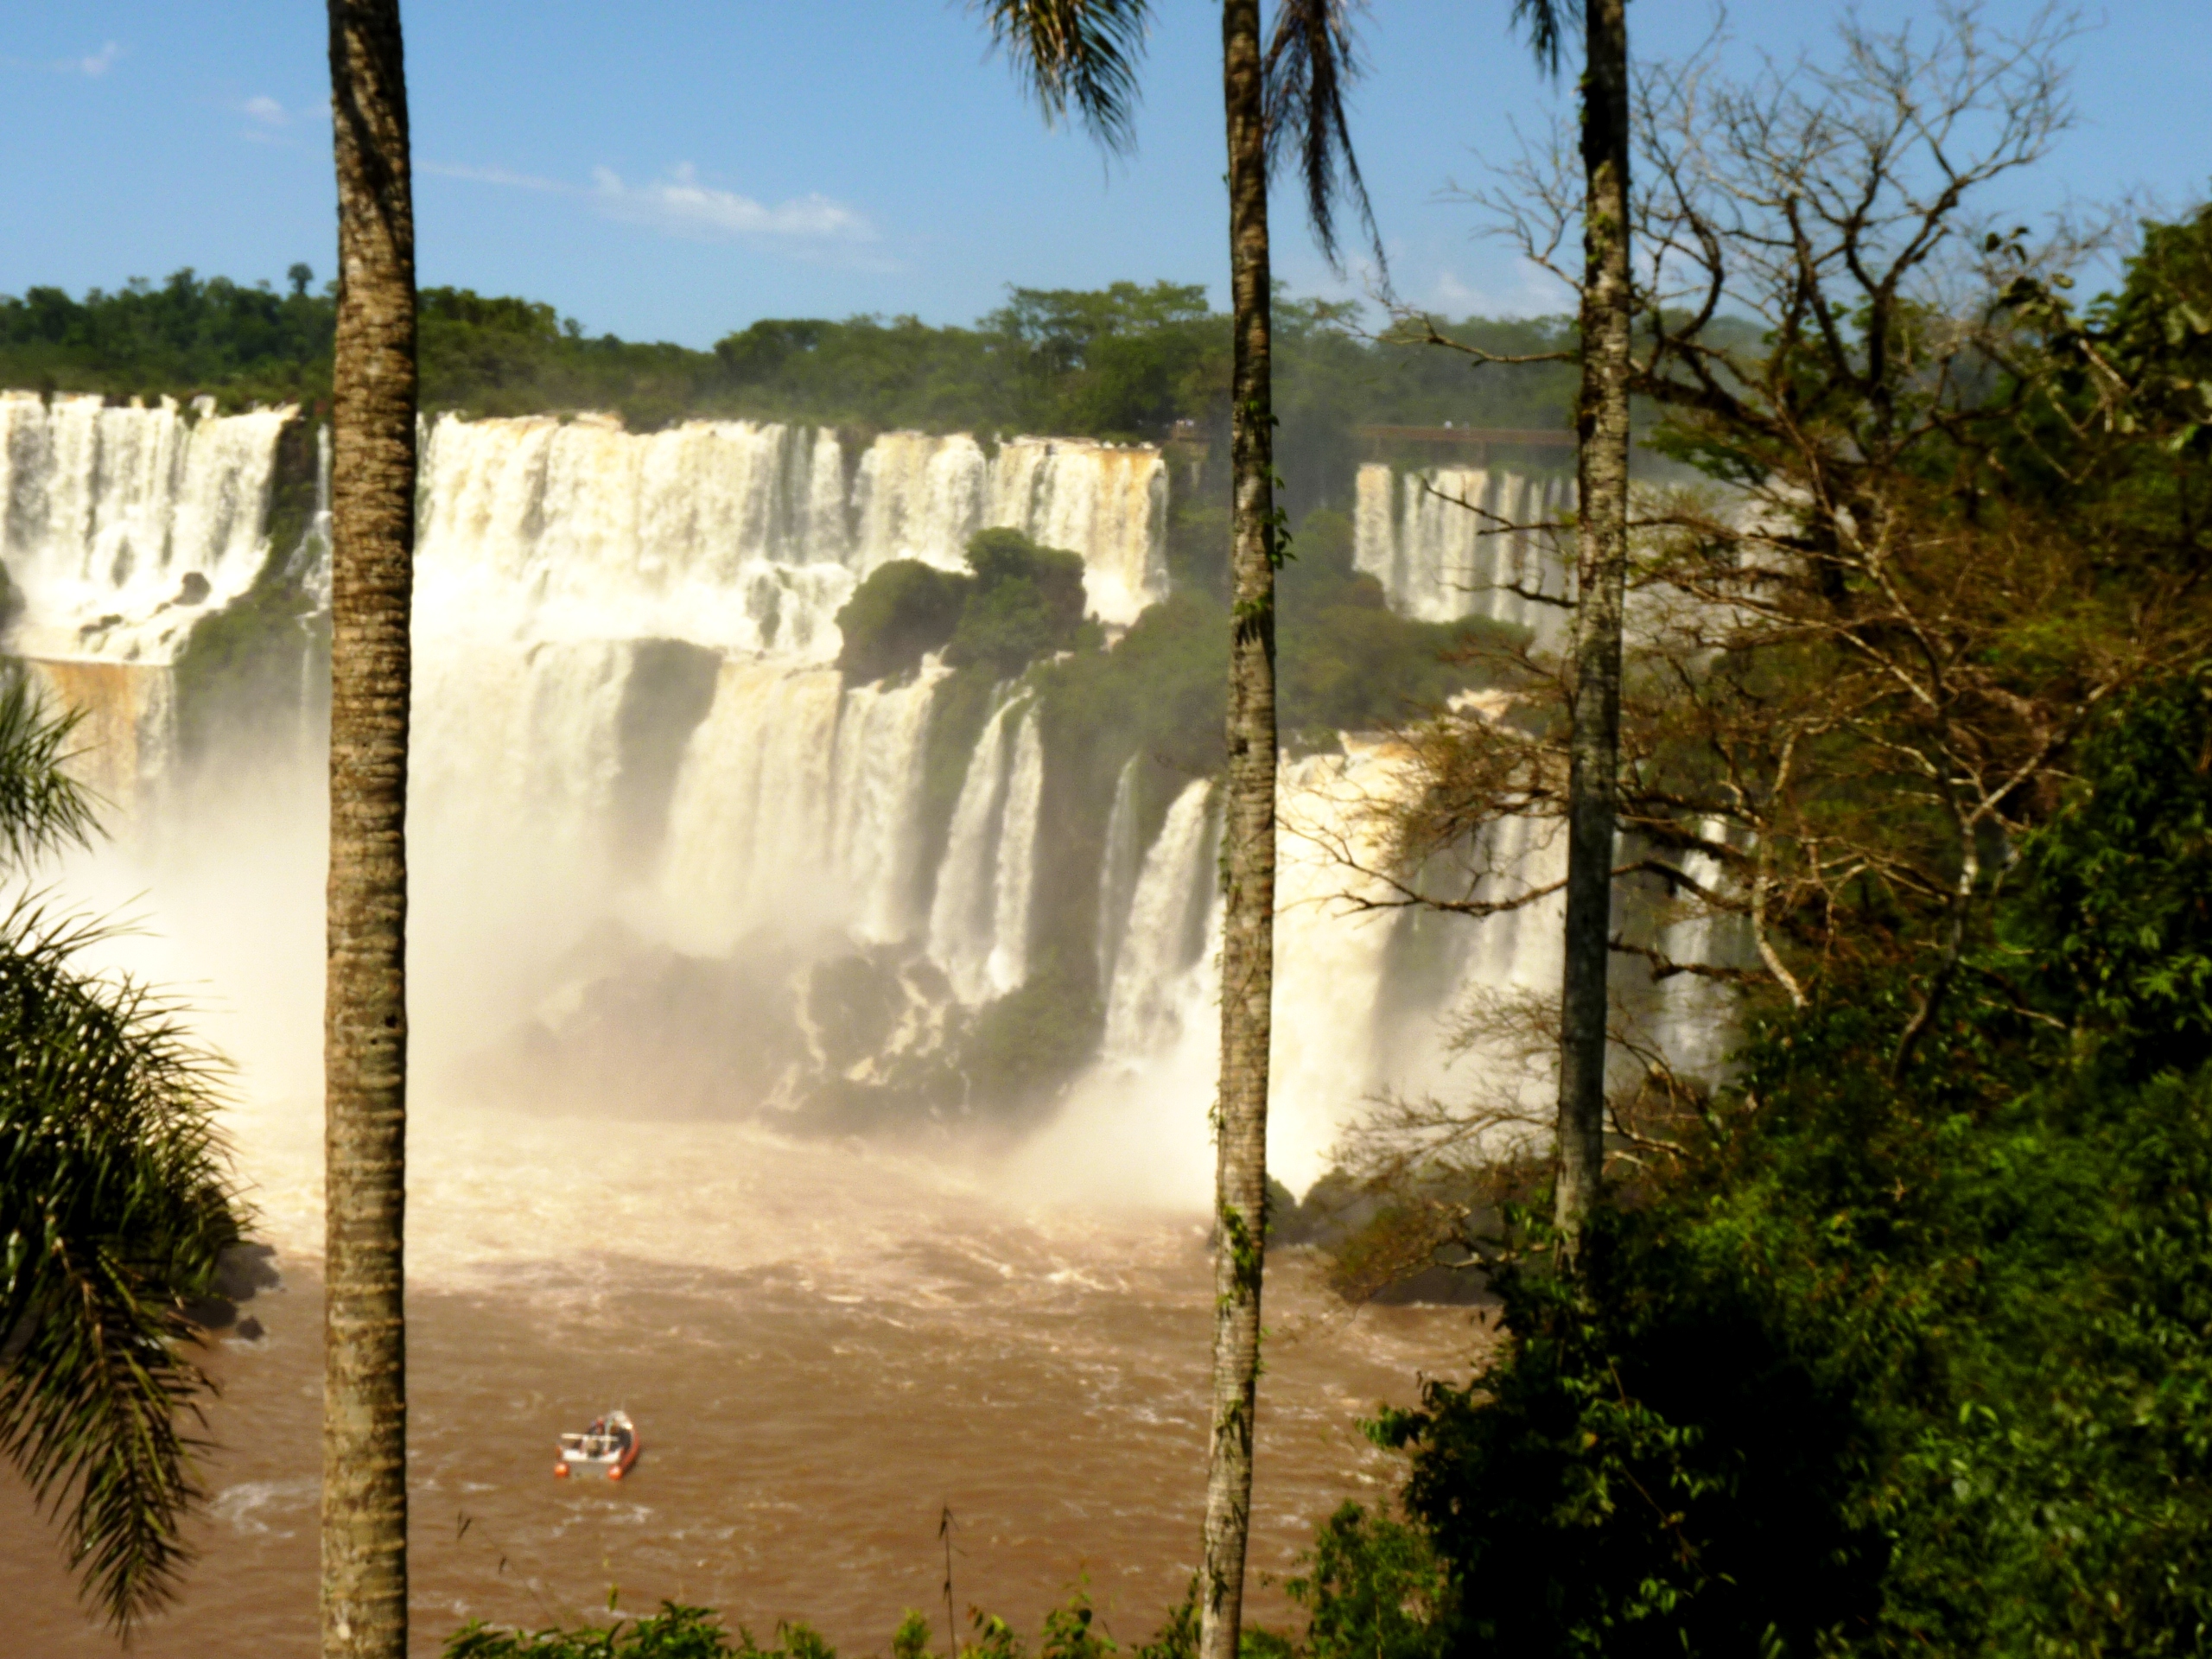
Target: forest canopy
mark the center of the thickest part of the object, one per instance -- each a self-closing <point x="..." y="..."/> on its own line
<point x="1128" y="361"/>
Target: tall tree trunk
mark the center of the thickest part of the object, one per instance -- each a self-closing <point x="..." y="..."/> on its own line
<point x="365" y="1019"/>
<point x="1247" y="935"/>
<point x="1601" y="546"/>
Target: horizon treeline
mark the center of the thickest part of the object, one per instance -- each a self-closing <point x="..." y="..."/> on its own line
<point x="1128" y="362"/>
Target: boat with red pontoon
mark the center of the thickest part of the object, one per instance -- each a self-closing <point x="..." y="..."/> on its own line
<point x="609" y="1447"/>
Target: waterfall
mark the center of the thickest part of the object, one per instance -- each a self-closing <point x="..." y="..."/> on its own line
<point x="1153" y="992"/>
<point x="310" y="564"/>
<point x="1347" y="1024"/>
<point x="739" y="535"/>
<point x="631" y="747"/>
<point x="711" y="532"/>
<point x="794" y="809"/>
<point x="123" y="527"/>
<point x="876" y="798"/>
<point x="518" y="742"/>
<point x="918" y="498"/>
<point x="1329" y="956"/>
<point x="754" y="809"/>
<point x="1106" y="502"/>
<point x="1117" y="870"/>
<point x="922" y="498"/>
<point x="962" y="924"/>
<point x="1016" y="884"/>
<point x="1695" y="1010"/>
<point x="1434" y="540"/>
<point x="979" y="919"/>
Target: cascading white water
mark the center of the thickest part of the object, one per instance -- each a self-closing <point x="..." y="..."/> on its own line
<point x="124" y="527"/>
<point x="571" y="574"/>
<point x="878" y="786"/>
<point x="1117" y="870"/>
<point x="1330" y="955"/>
<point x="505" y="739"/>
<point x="754" y="809"/>
<point x="1156" y="981"/>
<point x="918" y="497"/>
<point x="922" y="498"/>
<point x="962" y="913"/>
<point x="712" y="532"/>
<point x="1350" y="1022"/>
<point x="1459" y="542"/>
<point x="1007" y="966"/>
<point x="1694" y="1008"/>
<point x="795" y="808"/>
<point x="546" y="542"/>
<point x="1108" y="503"/>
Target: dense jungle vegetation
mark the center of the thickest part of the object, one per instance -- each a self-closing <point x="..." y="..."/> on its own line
<point x="1125" y="362"/>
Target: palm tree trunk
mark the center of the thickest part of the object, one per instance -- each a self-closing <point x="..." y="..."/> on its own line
<point x="1248" y="936"/>
<point x="364" y="1020"/>
<point x="1602" y="556"/>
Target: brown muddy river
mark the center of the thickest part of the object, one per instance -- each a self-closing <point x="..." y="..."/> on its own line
<point x="825" y="1346"/>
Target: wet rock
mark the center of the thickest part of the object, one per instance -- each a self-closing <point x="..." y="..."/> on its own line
<point x="245" y="1269"/>
<point x="242" y="1272"/>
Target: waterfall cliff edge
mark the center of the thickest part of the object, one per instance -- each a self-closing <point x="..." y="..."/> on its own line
<point x="668" y="860"/>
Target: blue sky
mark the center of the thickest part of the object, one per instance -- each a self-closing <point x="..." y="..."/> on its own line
<point x="675" y="170"/>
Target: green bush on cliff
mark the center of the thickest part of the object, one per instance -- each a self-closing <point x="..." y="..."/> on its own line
<point x="1023" y="1046"/>
<point x="1347" y="662"/>
<point x="1027" y="602"/>
<point x="1022" y="601"/>
<point x="902" y="612"/>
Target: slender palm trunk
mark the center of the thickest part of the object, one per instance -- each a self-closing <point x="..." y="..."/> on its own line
<point x="365" y="1020"/>
<point x="1248" y="936"/>
<point x="1602" y="556"/>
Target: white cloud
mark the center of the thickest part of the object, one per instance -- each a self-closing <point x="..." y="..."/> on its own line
<point x="808" y="227"/>
<point x="96" y="64"/>
<point x="265" y="109"/>
<point x="681" y="205"/>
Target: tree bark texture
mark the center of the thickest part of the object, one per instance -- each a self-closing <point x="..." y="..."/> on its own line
<point x="1601" y="550"/>
<point x="365" y="1017"/>
<point x="1249" y="856"/>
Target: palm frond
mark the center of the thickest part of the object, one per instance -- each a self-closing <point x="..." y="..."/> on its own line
<point x="1312" y="61"/>
<point x="1079" y="52"/>
<point x="1541" y="19"/>
<point x="115" y="1202"/>
<point x="42" y="809"/>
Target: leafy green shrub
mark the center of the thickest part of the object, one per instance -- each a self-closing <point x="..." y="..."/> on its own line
<point x="674" y="1632"/>
<point x="1026" y="602"/>
<point x="1889" y="1368"/>
<point x="902" y="612"/>
<point x="1036" y="1037"/>
<point x="1346" y="662"/>
<point x="1372" y="1588"/>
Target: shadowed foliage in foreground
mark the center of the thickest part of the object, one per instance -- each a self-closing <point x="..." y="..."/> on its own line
<point x="115" y="1199"/>
<point x="1888" y="1366"/>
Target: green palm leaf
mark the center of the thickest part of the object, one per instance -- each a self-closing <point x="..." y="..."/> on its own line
<point x="1313" y="60"/>
<point x="1542" y="19"/>
<point x="114" y="1208"/>
<point x="42" y="809"/>
<point x="1079" y="52"/>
